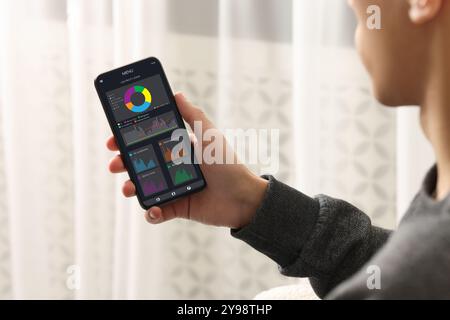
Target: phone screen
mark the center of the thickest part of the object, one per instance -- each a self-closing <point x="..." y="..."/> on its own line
<point x="143" y="115"/>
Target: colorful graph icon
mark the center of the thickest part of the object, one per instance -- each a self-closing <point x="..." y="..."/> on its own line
<point x="141" y="166"/>
<point x="141" y="90"/>
<point x="181" y="173"/>
<point x="152" y="182"/>
<point x="143" y="159"/>
<point x="150" y="187"/>
<point x="182" y="176"/>
<point x="167" y="150"/>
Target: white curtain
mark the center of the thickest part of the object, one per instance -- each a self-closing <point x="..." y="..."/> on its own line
<point x="286" y="65"/>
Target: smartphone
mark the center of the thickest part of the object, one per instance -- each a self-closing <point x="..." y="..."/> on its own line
<point x="143" y="116"/>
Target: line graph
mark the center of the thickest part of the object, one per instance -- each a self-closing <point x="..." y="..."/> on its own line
<point x="152" y="182"/>
<point x="149" y="128"/>
<point x="144" y="159"/>
<point x="182" y="173"/>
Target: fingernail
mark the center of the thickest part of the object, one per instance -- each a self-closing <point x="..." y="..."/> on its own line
<point x="152" y="215"/>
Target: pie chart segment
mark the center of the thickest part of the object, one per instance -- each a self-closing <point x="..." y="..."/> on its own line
<point x="137" y="90"/>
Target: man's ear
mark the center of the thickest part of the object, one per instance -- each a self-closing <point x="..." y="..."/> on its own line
<point x="422" y="11"/>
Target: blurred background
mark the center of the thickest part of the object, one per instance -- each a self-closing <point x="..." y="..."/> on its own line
<point x="289" y="65"/>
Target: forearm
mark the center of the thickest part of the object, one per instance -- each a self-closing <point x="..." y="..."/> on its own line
<point x="324" y="239"/>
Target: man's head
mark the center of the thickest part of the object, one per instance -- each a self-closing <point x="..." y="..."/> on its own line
<point x="403" y="54"/>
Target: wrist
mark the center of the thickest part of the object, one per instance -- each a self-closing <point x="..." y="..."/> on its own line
<point x="250" y="199"/>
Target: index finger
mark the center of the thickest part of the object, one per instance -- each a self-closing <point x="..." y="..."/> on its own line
<point x="111" y="144"/>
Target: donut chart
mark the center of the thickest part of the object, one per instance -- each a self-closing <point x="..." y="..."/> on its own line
<point x="147" y="99"/>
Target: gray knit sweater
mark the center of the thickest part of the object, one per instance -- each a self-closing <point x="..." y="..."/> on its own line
<point x="335" y="245"/>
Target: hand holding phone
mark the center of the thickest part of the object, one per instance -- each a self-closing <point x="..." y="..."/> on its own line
<point x="231" y="198"/>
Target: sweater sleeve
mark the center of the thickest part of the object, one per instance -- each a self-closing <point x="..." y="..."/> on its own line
<point x="324" y="239"/>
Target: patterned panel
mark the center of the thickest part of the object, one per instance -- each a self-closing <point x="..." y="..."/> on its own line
<point x="199" y="86"/>
<point x="209" y="264"/>
<point x="358" y="149"/>
<point x="192" y="246"/>
<point x="262" y="99"/>
<point x="259" y="98"/>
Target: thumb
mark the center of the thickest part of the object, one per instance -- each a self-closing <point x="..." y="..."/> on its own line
<point x="156" y="215"/>
<point x="191" y="113"/>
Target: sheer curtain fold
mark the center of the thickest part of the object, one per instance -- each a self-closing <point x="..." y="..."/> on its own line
<point x="264" y="64"/>
<point x="349" y="138"/>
